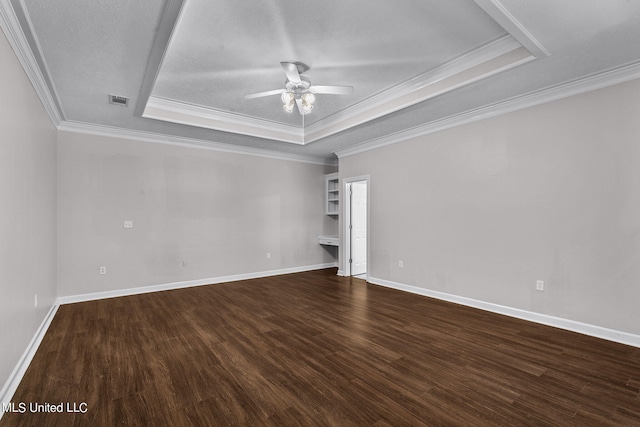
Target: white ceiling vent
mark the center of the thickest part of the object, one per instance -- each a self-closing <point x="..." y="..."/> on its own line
<point x="118" y="100"/>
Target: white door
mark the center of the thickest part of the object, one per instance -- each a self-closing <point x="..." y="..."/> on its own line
<point x="358" y="228"/>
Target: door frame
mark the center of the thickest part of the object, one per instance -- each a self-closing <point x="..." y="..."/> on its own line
<point x="346" y="212"/>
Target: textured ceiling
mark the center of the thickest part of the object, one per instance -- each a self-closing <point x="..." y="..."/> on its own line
<point x="411" y="62"/>
<point x="222" y="50"/>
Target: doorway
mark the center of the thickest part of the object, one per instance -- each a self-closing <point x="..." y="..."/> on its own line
<point x="356" y="227"/>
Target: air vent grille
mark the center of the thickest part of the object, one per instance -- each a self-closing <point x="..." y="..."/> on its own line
<point x="118" y="100"/>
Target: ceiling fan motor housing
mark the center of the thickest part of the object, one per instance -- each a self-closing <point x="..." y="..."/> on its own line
<point x="299" y="87"/>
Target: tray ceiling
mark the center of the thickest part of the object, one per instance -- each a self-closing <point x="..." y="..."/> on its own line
<point x="187" y="64"/>
<point x="219" y="51"/>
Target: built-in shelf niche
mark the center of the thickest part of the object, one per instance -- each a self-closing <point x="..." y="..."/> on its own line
<point x="332" y="193"/>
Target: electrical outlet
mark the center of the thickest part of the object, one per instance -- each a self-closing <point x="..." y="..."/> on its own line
<point x="540" y="285"/>
<point x="400" y="264"/>
<point x="185" y="263"/>
<point x="128" y="224"/>
<point x="268" y="255"/>
<point x="103" y="270"/>
<point x="35" y="300"/>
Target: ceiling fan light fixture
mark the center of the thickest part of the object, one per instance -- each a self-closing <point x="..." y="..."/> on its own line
<point x="287" y="97"/>
<point x="288" y="107"/>
<point x="307" y="107"/>
<point x="298" y="90"/>
<point x="307" y="102"/>
<point x="308" y="98"/>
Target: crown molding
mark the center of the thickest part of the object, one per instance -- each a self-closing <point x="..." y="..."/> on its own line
<point x="576" y="87"/>
<point x="100" y="130"/>
<point x="518" y="37"/>
<point x="10" y="22"/>
<point x="515" y="48"/>
<point x="494" y="57"/>
<point x="497" y="56"/>
<point x="188" y="114"/>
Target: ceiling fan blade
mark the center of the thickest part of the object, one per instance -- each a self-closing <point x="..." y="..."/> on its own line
<point x="331" y="90"/>
<point x="261" y="94"/>
<point x="300" y="107"/>
<point x="291" y="70"/>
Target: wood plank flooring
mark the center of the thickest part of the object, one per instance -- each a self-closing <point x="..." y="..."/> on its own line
<point x="315" y="349"/>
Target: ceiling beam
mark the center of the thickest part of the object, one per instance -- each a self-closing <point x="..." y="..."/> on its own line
<point x="168" y="22"/>
<point x="506" y="20"/>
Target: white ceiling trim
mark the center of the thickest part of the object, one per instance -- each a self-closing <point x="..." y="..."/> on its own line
<point x="576" y="87"/>
<point x="178" y="112"/>
<point x="20" y="45"/>
<point x="506" y="20"/>
<point x="487" y="60"/>
<point x="425" y="86"/>
<point x="113" y="132"/>
<point x="449" y="76"/>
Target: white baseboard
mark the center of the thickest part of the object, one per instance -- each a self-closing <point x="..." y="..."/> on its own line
<point x="12" y="383"/>
<point x="557" y="322"/>
<point x="187" y="284"/>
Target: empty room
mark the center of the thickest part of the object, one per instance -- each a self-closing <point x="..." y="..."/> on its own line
<point x="319" y="213"/>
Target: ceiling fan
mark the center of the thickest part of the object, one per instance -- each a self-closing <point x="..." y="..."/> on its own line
<point x="299" y="90"/>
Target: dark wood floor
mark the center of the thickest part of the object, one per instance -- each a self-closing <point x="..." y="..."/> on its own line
<point x="314" y="349"/>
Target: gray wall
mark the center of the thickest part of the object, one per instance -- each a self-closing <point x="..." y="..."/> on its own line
<point x="220" y="212"/>
<point x="485" y="209"/>
<point x="27" y="211"/>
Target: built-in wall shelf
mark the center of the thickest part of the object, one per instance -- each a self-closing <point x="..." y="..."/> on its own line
<point x="332" y="193"/>
<point x="329" y="240"/>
